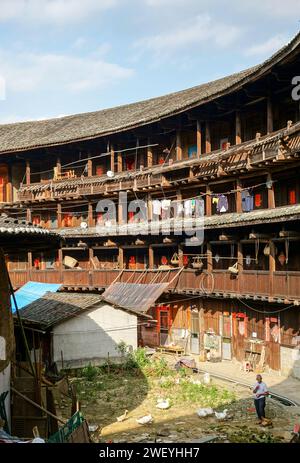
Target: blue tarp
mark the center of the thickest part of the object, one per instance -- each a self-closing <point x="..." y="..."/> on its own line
<point x="32" y="291"/>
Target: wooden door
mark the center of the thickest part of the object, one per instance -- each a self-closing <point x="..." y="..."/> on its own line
<point x="239" y="334"/>
<point x="273" y="342"/>
<point x="164" y="321"/>
<point x="3" y="182"/>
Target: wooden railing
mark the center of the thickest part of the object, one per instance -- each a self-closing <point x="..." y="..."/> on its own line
<point x="286" y="285"/>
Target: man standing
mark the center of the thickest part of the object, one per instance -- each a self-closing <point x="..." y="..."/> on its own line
<point x="260" y="392"/>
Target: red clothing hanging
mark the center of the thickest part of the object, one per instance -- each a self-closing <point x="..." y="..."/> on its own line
<point x="258" y="200"/>
<point x="292" y="196"/>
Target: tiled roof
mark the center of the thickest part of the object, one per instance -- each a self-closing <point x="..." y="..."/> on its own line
<point x="54" y="308"/>
<point x="20" y="233"/>
<point x="34" y="134"/>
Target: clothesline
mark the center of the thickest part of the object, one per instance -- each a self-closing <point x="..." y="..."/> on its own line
<point x="211" y="194"/>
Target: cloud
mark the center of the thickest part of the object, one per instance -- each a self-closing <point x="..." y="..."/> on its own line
<point x="52" y="11"/>
<point x="277" y="8"/>
<point x="197" y="31"/>
<point x="268" y="47"/>
<point x="29" y="72"/>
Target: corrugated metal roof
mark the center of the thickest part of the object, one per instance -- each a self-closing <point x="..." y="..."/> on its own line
<point x="134" y="296"/>
<point x="32" y="291"/>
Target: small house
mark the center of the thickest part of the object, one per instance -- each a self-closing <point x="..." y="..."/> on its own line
<point x="80" y="328"/>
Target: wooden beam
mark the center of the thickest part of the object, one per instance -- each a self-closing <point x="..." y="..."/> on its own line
<point x="199" y="139"/>
<point x="178" y="146"/>
<point x="207" y="137"/>
<point x="238" y="128"/>
<point x="256" y="236"/>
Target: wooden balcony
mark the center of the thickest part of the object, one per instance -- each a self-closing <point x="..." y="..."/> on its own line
<point x="256" y="285"/>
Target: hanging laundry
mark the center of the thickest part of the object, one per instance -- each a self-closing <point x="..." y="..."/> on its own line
<point x="180" y="209"/>
<point x="165" y="206"/>
<point x="188" y="208"/>
<point x="222" y="205"/>
<point x="247" y="201"/>
<point x="156" y="205"/>
<point x="215" y="200"/>
<point x="200" y="207"/>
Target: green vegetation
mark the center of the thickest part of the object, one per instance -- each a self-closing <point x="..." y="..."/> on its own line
<point x="139" y="376"/>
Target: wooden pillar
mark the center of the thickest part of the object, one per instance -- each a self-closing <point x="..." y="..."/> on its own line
<point x="27" y="174"/>
<point x="90" y="215"/>
<point x="91" y="255"/>
<point x="272" y="267"/>
<point x="269" y="115"/>
<point x="149" y="155"/>
<point x="201" y="327"/>
<point x="238" y="128"/>
<point x="271" y="193"/>
<point x="119" y="162"/>
<point x="178" y="146"/>
<point x="120" y="211"/>
<point x="121" y="257"/>
<point x="58" y="166"/>
<point x="60" y="264"/>
<point x="29" y="257"/>
<point x="9" y="189"/>
<point x="240" y="262"/>
<point x="28" y="215"/>
<point x="209" y="258"/>
<point x="179" y="201"/>
<point x="112" y="158"/>
<point x="239" y="196"/>
<point x="151" y="257"/>
<point x="59" y="215"/>
<point x="199" y="139"/>
<point x="90" y="166"/>
<point x="208" y="201"/>
<point x="207" y="137"/>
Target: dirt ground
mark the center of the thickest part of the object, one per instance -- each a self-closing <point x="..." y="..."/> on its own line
<point x="107" y="396"/>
